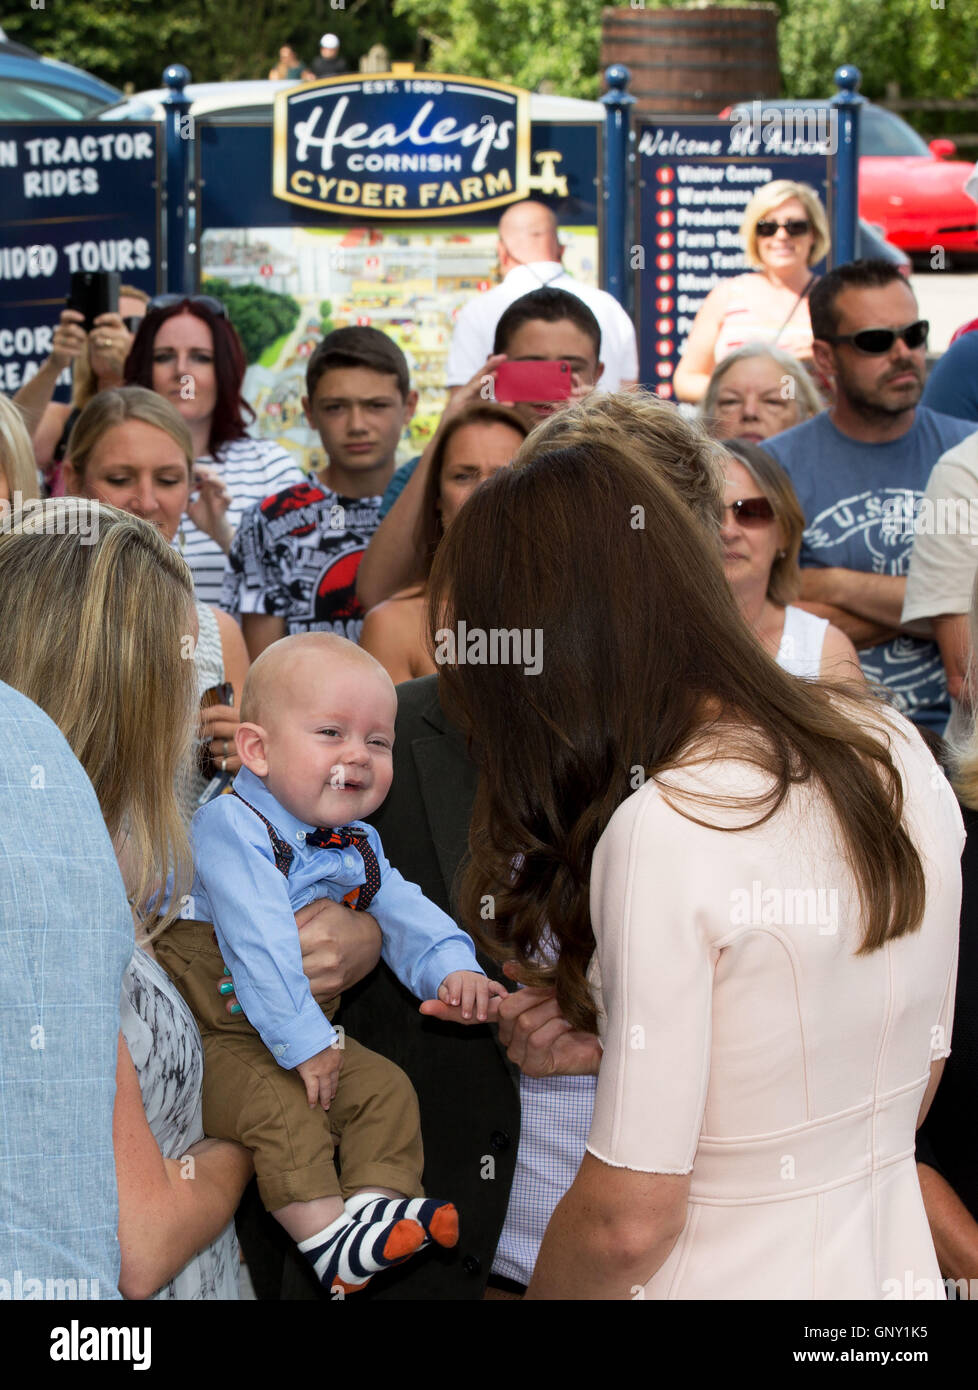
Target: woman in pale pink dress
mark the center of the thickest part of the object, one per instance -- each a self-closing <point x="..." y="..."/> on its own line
<point x="749" y="882"/>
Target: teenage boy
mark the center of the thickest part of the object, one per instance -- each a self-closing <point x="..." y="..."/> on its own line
<point x="292" y="567"/>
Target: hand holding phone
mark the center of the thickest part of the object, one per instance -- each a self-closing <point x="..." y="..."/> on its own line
<point x="94" y="292"/>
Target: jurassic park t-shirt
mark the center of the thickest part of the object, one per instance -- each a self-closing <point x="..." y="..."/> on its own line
<point x="295" y="556"/>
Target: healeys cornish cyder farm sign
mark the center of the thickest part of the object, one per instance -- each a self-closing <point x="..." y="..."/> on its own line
<point x="392" y="145"/>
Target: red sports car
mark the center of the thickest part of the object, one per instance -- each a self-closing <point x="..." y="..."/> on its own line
<point x="912" y="190"/>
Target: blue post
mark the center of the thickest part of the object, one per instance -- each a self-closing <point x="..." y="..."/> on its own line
<point x="617" y="103"/>
<point x="846" y="103"/>
<point x="175" y="215"/>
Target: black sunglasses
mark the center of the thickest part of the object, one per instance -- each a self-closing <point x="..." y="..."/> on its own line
<point x="876" y="341"/>
<point x="751" y="511"/>
<point x="795" y="226"/>
<point x="206" y="301"/>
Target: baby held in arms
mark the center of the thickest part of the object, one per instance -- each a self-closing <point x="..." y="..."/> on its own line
<point x="316" y="740"/>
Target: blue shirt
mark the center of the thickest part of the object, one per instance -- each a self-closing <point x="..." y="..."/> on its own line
<point x="847" y="490"/>
<point x="397" y="485"/>
<point x="66" y="937"/>
<point x="253" y="907"/>
<point x="952" y="386"/>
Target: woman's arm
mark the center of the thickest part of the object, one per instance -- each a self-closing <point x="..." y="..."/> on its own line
<point x="169" y="1209"/>
<point x="840" y="661"/>
<point x="692" y="375"/>
<point x="953" y="1228"/>
<point x="391" y="561"/>
<point x="234" y="653"/>
<point x="610" y="1233"/>
<point x="390" y="633"/>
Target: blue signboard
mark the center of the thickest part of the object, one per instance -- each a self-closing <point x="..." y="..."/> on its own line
<point x="73" y="196"/>
<point x="695" y="180"/>
<point x="402" y="146"/>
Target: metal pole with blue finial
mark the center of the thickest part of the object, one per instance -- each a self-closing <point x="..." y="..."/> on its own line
<point x="176" y="105"/>
<point x="617" y="103"/>
<point x="846" y="103"/>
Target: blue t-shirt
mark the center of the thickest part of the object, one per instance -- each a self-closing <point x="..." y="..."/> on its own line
<point x="397" y="485"/>
<point x="844" y="487"/>
<point x="952" y="386"/>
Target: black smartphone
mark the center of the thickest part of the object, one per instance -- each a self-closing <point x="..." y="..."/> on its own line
<point x="94" y="292"/>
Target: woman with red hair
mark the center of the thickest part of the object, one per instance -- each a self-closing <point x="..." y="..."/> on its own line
<point x="188" y="351"/>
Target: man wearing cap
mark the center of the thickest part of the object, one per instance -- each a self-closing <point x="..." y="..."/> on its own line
<point x="329" y="63"/>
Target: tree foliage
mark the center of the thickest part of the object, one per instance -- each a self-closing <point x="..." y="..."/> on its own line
<point x="259" y="315"/>
<point x="928" y="46"/>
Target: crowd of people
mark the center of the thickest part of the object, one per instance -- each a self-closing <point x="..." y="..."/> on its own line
<point x="561" y="830"/>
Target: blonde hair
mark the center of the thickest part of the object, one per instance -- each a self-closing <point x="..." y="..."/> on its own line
<point x="114" y="407"/>
<point x="648" y="429"/>
<point x="84" y="385"/>
<point x="806" y="396"/>
<point x="16" y="452"/>
<point x="964" y="748"/>
<point x="771" y="196"/>
<point x="97" y="608"/>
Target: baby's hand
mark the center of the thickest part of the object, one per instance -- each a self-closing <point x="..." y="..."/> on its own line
<point x="320" y="1075"/>
<point x="460" y="993"/>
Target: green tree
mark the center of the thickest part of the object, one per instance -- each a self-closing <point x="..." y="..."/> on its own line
<point x="259" y="315"/>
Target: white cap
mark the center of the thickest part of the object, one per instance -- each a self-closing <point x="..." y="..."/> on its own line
<point x="329" y="41"/>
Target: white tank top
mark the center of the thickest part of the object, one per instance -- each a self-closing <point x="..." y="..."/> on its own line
<point x="800" y="652"/>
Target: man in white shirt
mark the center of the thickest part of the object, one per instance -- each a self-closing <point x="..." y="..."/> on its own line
<point x="530" y="259"/>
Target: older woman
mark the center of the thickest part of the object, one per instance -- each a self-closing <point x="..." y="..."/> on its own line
<point x="761" y="535"/>
<point x="95" y="605"/>
<point x="785" y="233"/>
<point x="187" y="350"/>
<point x="18" y="474"/>
<point x="745" y="883"/>
<point x="96" y="359"/>
<point x="758" y="391"/>
<point x="132" y="449"/>
<point x="471" y="446"/>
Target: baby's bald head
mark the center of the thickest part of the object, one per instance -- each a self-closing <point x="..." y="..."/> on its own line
<point x="288" y="669"/>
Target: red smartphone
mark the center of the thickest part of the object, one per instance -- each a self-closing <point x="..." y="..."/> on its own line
<point x="533" y="381"/>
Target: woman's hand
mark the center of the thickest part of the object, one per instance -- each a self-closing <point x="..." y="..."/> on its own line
<point x="209" y="505"/>
<point x="218" y="725"/>
<point x="537" y="1037"/>
<point x="109" y="344"/>
<point x="339" y="946"/>
<point x="69" y="339"/>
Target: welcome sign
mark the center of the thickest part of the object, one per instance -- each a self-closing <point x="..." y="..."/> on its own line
<point x="402" y="145"/>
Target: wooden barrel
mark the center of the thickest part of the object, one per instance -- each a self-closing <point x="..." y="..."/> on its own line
<point x="695" y="60"/>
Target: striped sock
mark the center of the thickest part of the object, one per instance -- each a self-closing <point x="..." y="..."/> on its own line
<point x="439" y="1219"/>
<point x="349" y="1252"/>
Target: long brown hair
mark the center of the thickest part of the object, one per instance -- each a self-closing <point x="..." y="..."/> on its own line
<point x="647" y="665"/>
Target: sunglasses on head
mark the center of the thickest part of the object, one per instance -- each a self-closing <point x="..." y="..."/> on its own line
<point x="751" y="511"/>
<point x="206" y="301"/>
<point x="794" y="226"/>
<point x="876" y="341"/>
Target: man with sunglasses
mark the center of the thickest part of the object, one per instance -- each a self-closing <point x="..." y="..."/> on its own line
<point x="850" y="464"/>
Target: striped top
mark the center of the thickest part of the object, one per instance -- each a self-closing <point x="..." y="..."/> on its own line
<point x="252" y="469"/>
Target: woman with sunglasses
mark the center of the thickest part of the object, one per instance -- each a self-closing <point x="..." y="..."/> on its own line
<point x="187" y="351"/>
<point x="96" y="360"/>
<point x="761" y="537"/>
<point x="785" y="233"/>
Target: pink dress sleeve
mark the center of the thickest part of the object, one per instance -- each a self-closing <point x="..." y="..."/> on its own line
<point x="654" y="977"/>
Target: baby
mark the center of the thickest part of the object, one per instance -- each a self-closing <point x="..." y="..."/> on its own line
<point x="316" y="740"/>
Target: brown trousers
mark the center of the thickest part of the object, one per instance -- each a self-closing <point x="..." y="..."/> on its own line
<point x="373" y="1120"/>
